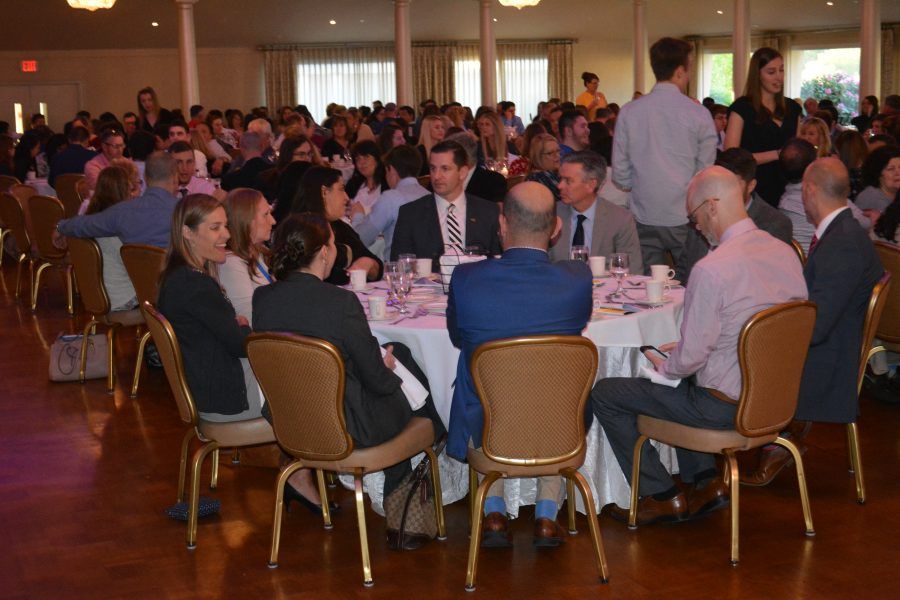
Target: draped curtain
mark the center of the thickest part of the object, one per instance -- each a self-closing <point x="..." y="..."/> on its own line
<point x="520" y="66"/>
<point x="433" y="73"/>
<point x="559" y="70"/>
<point x="888" y="58"/>
<point x="281" y="77"/>
<point x="696" y="74"/>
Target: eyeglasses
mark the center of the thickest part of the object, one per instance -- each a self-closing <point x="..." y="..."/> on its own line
<point x="691" y="214"/>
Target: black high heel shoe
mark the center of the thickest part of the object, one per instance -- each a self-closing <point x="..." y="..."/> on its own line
<point x="291" y="495"/>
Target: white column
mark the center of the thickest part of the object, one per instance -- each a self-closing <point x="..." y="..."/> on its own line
<point x="488" y="57"/>
<point x="870" y="49"/>
<point x="187" y="55"/>
<point x="403" y="53"/>
<point x="640" y="46"/>
<point x="740" y="46"/>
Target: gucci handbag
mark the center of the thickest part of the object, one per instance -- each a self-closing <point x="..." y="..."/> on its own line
<point x="65" y="357"/>
<point x="409" y="509"/>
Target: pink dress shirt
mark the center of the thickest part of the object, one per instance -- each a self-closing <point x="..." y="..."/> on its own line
<point x="749" y="271"/>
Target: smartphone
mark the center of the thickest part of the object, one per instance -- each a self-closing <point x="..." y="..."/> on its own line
<point x="654" y="349"/>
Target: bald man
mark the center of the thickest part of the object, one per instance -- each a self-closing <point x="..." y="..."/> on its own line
<point x="748" y="271"/>
<point x="522" y="293"/>
<point x="840" y="273"/>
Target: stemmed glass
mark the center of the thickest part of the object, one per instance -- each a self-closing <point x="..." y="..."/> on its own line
<point x="618" y="266"/>
<point x="391" y="270"/>
<point x="408" y="263"/>
<point x="580" y="253"/>
<point x="401" y="283"/>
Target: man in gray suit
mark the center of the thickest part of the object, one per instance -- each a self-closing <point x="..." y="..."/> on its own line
<point x="588" y="220"/>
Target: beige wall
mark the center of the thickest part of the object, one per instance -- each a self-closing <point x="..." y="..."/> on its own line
<point x="229" y="77"/>
<point x="611" y="61"/>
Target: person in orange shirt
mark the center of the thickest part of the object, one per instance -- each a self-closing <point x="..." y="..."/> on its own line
<point x="591" y="98"/>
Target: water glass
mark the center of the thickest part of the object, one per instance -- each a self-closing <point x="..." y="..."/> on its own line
<point x="581" y="253"/>
<point x="401" y="283"/>
<point x="407" y="262"/>
<point x="618" y="267"/>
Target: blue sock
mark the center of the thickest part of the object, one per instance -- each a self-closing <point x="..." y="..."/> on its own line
<point x="494" y="504"/>
<point x="545" y="509"/>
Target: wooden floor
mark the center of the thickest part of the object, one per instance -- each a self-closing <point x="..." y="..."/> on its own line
<point x="85" y="477"/>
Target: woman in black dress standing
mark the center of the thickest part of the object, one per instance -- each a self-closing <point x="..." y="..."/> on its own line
<point x="762" y="120"/>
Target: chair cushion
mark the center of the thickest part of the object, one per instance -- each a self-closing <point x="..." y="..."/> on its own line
<point x="126" y="318"/>
<point x="697" y="438"/>
<point x="415" y="437"/>
<point x="482" y="464"/>
<point x="238" y="433"/>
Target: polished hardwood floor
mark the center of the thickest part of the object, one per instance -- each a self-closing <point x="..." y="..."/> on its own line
<point x="85" y="477"/>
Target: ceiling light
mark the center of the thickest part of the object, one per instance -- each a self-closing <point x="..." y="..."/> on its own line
<point x="154" y="24"/>
<point x="519" y="3"/>
<point x="91" y="5"/>
<point x="830" y="3"/>
<point x="332" y="22"/>
<point x="720" y="12"/>
<point x="495" y="19"/>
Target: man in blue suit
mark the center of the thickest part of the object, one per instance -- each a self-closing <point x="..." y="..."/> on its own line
<point x="522" y="293"/>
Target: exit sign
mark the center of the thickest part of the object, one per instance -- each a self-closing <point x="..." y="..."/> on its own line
<point x="29" y="66"/>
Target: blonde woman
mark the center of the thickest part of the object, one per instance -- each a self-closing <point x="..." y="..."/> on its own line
<point x="815" y="131"/>
<point x="544" y="157"/>
<point x="492" y="138"/>
<point x="432" y="132"/>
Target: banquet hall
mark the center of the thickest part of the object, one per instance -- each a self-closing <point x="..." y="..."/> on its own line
<point x="218" y="96"/>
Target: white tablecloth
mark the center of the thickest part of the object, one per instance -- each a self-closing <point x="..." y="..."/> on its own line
<point x="617" y="338"/>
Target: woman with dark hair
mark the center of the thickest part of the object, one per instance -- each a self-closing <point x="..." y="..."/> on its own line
<point x="322" y="192"/>
<point x="7" y="152"/>
<point x="368" y="180"/>
<point x="390" y="137"/>
<point x="762" y="120"/>
<point x="150" y="112"/>
<point x="25" y="156"/>
<point x="304" y="252"/>
<point x="591" y="98"/>
<point x="288" y="188"/>
<point x="234" y="120"/>
<point x="293" y="149"/>
<point x="868" y="108"/>
<point x="250" y="225"/>
<point x="852" y="150"/>
<point x="341" y="138"/>
<point x="881" y="176"/>
<point x="887" y="229"/>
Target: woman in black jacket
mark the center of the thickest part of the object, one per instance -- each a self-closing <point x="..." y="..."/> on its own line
<point x="375" y="408"/>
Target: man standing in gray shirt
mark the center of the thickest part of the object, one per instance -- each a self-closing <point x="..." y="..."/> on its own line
<point x="662" y="139"/>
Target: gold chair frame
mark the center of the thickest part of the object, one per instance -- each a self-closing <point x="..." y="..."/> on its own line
<point x="66" y="187"/>
<point x="212" y="436"/>
<point x="13" y="216"/>
<point x="263" y="350"/>
<point x="749" y="432"/>
<point x="143" y="264"/>
<point x="7" y="182"/>
<point x="799" y="250"/>
<point x="501" y="462"/>
<point x="46" y="212"/>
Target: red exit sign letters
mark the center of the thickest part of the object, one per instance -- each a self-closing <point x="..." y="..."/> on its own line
<point x="29" y="66"/>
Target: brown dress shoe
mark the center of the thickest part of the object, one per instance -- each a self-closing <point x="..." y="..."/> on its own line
<point x="712" y="497"/>
<point x="771" y="463"/>
<point x="548" y="533"/>
<point x="495" y="531"/>
<point x="650" y="510"/>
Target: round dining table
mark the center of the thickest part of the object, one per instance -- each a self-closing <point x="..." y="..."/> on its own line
<point x="618" y="338"/>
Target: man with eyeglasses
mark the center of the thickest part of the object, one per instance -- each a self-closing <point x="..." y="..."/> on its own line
<point x="700" y="380"/>
<point x="178" y="132"/>
<point x="112" y="144"/>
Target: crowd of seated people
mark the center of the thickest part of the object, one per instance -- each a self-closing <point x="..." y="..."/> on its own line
<point x="747" y="179"/>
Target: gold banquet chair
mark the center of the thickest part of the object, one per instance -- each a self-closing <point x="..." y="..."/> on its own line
<point x="302" y="379"/>
<point x="799" y="250"/>
<point x="87" y="260"/>
<point x="878" y="301"/>
<point x="772" y="349"/>
<point x="143" y="265"/>
<point x="518" y="381"/>
<point x="235" y="434"/>
<point x="7" y="182"/>
<point x="66" y="187"/>
<point x="13" y="218"/>
<point x="46" y="212"/>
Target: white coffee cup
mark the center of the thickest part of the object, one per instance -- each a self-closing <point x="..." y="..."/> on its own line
<point x="598" y="265"/>
<point x="661" y="273"/>
<point x="423" y="267"/>
<point x="377" y="307"/>
<point x="655" y="290"/>
<point x="358" y="279"/>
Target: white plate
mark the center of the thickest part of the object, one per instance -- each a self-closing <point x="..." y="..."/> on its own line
<point x="392" y="314"/>
<point x="438" y="307"/>
<point x="665" y="300"/>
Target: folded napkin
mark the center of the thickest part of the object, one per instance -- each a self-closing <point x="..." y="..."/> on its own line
<point x="412" y="388"/>
<point x="654" y="376"/>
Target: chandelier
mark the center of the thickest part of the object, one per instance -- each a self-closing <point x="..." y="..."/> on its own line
<point x="91" y="5"/>
<point x="519" y="3"/>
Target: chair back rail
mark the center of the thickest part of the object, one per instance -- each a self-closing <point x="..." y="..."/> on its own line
<point x="46" y="212"/>
<point x="302" y="379"/>
<point x="66" y="187"/>
<point x="144" y="264"/>
<point x="799" y="250"/>
<point x="888" y="327"/>
<point x="7" y="182"/>
<point x="874" y="312"/>
<point x="87" y="260"/>
<point x="772" y="349"/>
<point x="170" y="354"/>
<point x="533" y="391"/>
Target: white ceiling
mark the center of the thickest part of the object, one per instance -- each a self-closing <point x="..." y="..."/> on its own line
<point x="52" y="25"/>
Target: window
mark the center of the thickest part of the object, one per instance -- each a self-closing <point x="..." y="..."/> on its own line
<point x="716" y="77"/>
<point x="521" y="76"/>
<point x="822" y="73"/>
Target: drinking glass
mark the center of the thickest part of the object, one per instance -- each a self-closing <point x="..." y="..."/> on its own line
<point x="401" y="283"/>
<point x="391" y="270"/>
<point x="581" y="253"/>
<point x="407" y="263"/>
<point x="618" y="267"/>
